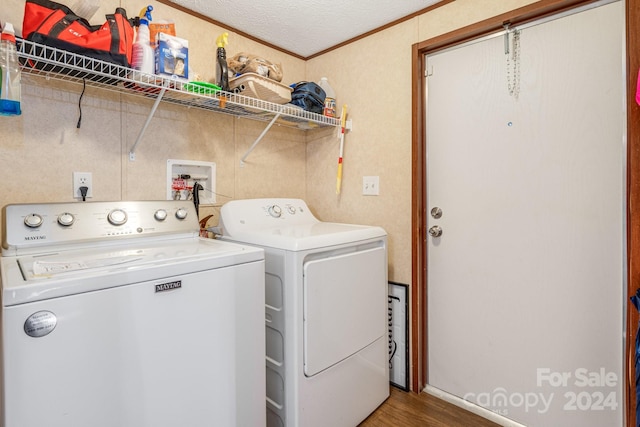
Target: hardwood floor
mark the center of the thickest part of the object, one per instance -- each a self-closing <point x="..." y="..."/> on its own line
<point x="406" y="409"/>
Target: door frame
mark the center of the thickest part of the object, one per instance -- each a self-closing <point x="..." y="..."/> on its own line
<point x="534" y="11"/>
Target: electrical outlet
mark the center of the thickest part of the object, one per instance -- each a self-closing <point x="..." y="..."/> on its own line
<point x="82" y="179"/>
<point x="370" y="185"/>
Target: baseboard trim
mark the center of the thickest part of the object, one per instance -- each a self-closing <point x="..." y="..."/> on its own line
<point x="471" y="407"/>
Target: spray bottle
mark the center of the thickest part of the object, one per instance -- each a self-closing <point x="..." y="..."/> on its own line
<point x="222" y="71"/>
<point x="143" y="58"/>
<point x="10" y="92"/>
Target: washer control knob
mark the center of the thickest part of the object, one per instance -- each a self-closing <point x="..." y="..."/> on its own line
<point x="181" y="213"/>
<point x="160" y="215"/>
<point x="117" y="217"/>
<point x="33" y="220"/>
<point x="291" y="209"/>
<point x="275" y="211"/>
<point x="66" y="219"/>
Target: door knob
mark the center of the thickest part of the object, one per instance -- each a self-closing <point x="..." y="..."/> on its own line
<point x="435" y="231"/>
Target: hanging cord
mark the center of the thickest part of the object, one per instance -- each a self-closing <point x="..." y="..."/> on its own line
<point x="84" y="86"/>
<point x="208" y="191"/>
<point x="178" y="196"/>
<point x="196" y="196"/>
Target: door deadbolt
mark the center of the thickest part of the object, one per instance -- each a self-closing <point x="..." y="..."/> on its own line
<point x="436" y="212"/>
<point x="435" y="231"/>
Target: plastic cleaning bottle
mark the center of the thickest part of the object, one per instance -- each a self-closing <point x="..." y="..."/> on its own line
<point x="222" y="70"/>
<point x="142" y="57"/>
<point x="10" y="90"/>
<point x="330" y="98"/>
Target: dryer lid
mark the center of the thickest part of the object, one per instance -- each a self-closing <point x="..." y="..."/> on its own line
<point x="304" y="237"/>
<point x="287" y="224"/>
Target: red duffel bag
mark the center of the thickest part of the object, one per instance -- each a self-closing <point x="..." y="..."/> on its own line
<point x="54" y="24"/>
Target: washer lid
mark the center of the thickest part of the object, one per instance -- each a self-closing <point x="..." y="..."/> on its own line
<point x="43" y="276"/>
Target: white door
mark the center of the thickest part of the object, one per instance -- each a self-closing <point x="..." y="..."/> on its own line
<point x="525" y="284"/>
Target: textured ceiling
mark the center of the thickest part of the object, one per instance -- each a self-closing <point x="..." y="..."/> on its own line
<point x="305" y="27"/>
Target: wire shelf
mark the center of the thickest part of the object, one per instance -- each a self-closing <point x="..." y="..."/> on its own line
<point x="57" y="64"/>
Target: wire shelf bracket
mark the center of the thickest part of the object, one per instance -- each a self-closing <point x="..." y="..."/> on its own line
<point x="132" y="152"/>
<point x="264" y="132"/>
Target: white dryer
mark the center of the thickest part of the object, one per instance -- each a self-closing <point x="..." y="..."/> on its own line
<point x="117" y="314"/>
<point x="325" y="304"/>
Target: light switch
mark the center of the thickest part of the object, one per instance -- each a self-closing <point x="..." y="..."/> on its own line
<point x="370" y="185"/>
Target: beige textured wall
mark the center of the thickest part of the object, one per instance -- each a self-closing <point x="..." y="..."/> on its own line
<point x="40" y="149"/>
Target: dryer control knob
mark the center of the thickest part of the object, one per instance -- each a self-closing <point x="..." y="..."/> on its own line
<point x="275" y="211"/>
<point x="160" y="215"/>
<point x="181" y="213"/>
<point x="117" y="217"/>
<point x="66" y="219"/>
<point x="33" y="220"/>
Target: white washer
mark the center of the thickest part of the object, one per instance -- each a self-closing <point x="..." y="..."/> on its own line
<point x="326" y="305"/>
<point x="119" y="314"/>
